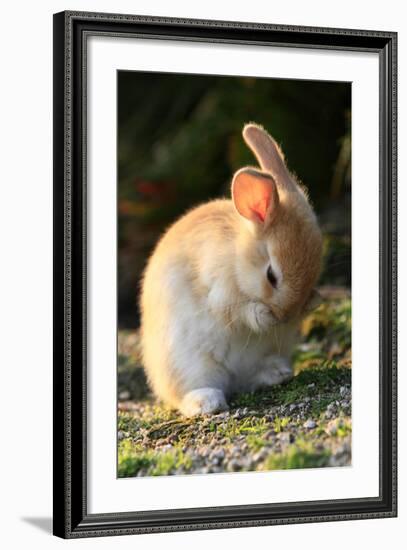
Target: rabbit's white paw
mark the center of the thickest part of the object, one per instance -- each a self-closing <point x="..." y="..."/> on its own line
<point x="259" y="317"/>
<point x="276" y="370"/>
<point x="203" y="401"/>
<point x="282" y="369"/>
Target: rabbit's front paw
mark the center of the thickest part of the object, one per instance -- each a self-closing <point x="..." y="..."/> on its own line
<point x="203" y="401"/>
<point x="282" y="369"/>
<point x="259" y="317"/>
<point x="278" y="369"/>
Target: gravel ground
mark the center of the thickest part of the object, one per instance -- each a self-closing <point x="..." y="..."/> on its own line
<point x="305" y="423"/>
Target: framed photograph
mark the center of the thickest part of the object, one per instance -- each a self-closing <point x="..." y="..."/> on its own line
<point x="224" y="274"/>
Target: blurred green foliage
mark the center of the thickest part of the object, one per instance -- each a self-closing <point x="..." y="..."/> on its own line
<point x="179" y="142"/>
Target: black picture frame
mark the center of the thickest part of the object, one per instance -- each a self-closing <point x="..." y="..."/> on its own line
<point x="71" y="518"/>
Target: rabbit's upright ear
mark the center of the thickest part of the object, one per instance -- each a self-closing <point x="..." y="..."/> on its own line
<point x="268" y="153"/>
<point x="255" y="196"/>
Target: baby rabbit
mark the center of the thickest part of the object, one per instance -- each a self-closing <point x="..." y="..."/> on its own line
<point x="227" y="285"/>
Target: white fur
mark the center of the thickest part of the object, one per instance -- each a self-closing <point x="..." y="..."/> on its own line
<point x="203" y="401"/>
<point x="210" y="359"/>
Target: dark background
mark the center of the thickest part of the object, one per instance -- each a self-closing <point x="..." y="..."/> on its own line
<point x="179" y="143"/>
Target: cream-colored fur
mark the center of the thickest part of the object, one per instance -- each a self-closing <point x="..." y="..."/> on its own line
<point x="212" y="323"/>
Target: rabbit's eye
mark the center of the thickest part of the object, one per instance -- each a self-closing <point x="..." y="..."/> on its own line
<point x="271" y="277"/>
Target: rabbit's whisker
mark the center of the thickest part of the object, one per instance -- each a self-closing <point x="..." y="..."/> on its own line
<point x="247" y="342"/>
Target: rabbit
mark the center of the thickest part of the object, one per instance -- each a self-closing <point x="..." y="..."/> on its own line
<point x="227" y="285"/>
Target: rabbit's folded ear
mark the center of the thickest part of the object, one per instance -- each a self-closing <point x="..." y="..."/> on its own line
<point x="255" y="196"/>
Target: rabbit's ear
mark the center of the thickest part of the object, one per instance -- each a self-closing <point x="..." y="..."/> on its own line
<point x="255" y="195"/>
<point x="267" y="152"/>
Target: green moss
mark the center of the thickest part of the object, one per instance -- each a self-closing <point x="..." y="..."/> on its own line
<point x="129" y="423"/>
<point x="326" y="376"/>
<point x="248" y="426"/>
<point x="281" y="423"/>
<point x="132" y="459"/>
<point x="320" y="384"/>
<point x="339" y="427"/>
<point x="168" y="462"/>
<point x="255" y="442"/>
<point x="303" y="455"/>
<point x="344" y="430"/>
<point x="246" y="400"/>
<point x="309" y="382"/>
<point x="319" y="405"/>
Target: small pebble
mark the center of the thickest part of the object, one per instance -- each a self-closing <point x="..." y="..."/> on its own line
<point x="284" y="438"/>
<point x="217" y="455"/>
<point x="332" y="427"/>
<point x="261" y="455"/>
<point x="310" y="424"/>
<point x="124" y="395"/>
<point x="234" y="465"/>
<point x="221" y="416"/>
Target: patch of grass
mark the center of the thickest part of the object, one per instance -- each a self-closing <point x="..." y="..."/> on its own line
<point x="344" y="429"/>
<point x="132" y="459"/>
<point x="320" y="430"/>
<point x="129" y="423"/>
<point x="325" y="378"/>
<point x="303" y="455"/>
<point x="170" y="461"/>
<point x="255" y="442"/>
<point x="246" y="399"/>
<point x="309" y="382"/>
<point x="319" y="405"/>
<point x="255" y="439"/>
<point x="155" y="418"/>
<point x="339" y="427"/>
<point x="248" y="426"/>
<point x="162" y="414"/>
<point x="281" y="423"/>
